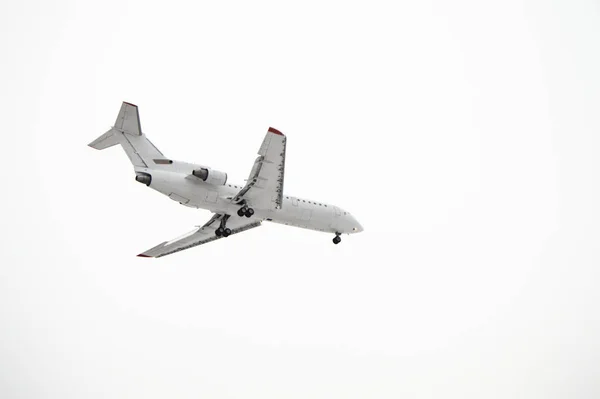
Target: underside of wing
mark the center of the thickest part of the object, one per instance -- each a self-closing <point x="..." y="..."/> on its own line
<point x="264" y="188"/>
<point x="200" y="235"/>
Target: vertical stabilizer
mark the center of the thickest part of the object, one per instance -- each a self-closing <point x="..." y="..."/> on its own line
<point x="128" y="132"/>
<point x="128" y="120"/>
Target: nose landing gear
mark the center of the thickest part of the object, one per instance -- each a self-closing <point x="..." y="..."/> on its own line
<point x="337" y="239"/>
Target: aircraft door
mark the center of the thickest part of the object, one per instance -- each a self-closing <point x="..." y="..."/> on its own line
<point x="335" y="222"/>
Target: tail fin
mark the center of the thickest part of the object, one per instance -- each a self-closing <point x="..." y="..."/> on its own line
<point x="127" y="131"/>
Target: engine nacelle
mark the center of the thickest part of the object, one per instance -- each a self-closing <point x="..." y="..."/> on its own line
<point x="143" y="178"/>
<point x="211" y="176"/>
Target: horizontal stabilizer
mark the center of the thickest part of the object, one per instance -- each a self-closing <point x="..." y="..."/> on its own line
<point x="108" y="139"/>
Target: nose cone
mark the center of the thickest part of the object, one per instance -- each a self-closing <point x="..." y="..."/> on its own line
<point x="356" y="227"/>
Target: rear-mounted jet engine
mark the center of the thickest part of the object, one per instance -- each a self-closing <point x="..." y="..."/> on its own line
<point x="211" y="176"/>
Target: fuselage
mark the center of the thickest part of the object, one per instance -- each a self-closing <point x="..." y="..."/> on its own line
<point x="175" y="181"/>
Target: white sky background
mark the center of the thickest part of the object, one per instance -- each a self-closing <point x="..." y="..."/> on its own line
<point x="464" y="137"/>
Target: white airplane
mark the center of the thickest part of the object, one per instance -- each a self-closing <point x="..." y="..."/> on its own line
<point x="235" y="208"/>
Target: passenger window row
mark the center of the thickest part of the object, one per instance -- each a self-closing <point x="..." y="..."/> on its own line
<point x="310" y="202"/>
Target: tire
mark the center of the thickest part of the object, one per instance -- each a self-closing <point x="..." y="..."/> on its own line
<point x="219" y="232"/>
<point x="337" y="240"/>
<point x="227" y="232"/>
<point x="241" y="212"/>
<point x="249" y="212"/>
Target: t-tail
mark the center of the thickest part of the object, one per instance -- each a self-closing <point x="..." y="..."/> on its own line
<point x="127" y="131"/>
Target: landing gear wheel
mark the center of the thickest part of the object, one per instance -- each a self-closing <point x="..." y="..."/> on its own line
<point x="337" y="239"/>
<point x="249" y="212"/>
<point x="227" y="232"/>
<point x="241" y="212"/>
<point x="219" y="232"/>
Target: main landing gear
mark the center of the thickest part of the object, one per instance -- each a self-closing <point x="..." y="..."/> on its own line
<point x="245" y="211"/>
<point x="223" y="230"/>
<point x="337" y="239"/>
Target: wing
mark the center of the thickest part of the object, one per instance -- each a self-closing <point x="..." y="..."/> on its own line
<point x="264" y="188"/>
<point x="199" y="236"/>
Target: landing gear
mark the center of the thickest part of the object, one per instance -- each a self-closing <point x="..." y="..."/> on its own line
<point x="337" y="239"/>
<point x="245" y="211"/>
<point x="223" y="230"/>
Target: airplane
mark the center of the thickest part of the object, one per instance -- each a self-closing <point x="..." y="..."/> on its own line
<point x="235" y="208"/>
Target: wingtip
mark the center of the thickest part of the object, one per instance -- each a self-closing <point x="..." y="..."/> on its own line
<point x="273" y="130"/>
<point x="144" y="256"/>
